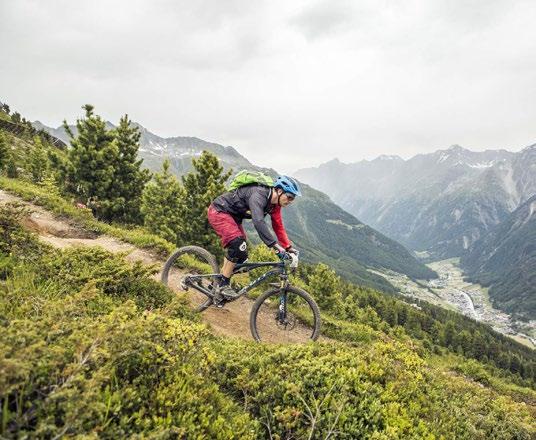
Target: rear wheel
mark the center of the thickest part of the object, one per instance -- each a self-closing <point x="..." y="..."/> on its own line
<point x="185" y="270"/>
<point x="289" y="315"/>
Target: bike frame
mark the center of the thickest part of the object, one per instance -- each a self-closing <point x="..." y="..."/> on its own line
<point x="279" y="269"/>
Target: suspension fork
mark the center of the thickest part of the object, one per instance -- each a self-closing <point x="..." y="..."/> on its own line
<point x="282" y="310"/>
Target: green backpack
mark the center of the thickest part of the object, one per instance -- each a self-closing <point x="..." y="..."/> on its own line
<point x="245" y="177"/>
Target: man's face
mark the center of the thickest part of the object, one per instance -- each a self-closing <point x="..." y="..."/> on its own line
<point x="286" y="199"/>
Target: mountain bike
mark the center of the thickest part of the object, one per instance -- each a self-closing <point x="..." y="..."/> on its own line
<point x="284" y="313"/>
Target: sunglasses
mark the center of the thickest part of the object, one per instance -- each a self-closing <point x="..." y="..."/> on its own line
<point x="290" y="197"/>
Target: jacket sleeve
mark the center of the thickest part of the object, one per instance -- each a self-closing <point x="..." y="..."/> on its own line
<point x="257" y="202"/>
<point x="279" y="228"/>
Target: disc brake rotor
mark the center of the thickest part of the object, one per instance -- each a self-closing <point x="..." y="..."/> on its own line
<point x="288" y="323"/>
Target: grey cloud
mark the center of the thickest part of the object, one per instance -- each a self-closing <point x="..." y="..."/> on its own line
<point x="324" y="17"/>
<point x="99" y="41"/>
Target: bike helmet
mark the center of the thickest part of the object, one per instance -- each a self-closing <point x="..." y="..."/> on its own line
<point x="288" y="185"/>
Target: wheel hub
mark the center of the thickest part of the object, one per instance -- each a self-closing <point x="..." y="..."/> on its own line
<point x="288" y="323"/>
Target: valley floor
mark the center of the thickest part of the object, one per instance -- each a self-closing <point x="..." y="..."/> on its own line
<point x="452" y="292"/>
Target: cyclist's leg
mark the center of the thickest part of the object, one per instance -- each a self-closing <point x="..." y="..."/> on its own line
<point x="228" y="267"/>
<point x="233" y="239"/>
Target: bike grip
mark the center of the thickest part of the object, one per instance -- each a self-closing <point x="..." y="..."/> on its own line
<point x="294" y="262"/>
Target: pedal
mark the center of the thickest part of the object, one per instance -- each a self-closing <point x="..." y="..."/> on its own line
<point x="219" y="300"/>
<point x="219" y="305"/>
<point x="231" y="297"/>
<point x="182" y="283"/>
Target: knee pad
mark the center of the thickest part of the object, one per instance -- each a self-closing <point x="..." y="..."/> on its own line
<point x="237" y="250"/>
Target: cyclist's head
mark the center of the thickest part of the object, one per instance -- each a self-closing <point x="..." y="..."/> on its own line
<point x="288" y="185"/>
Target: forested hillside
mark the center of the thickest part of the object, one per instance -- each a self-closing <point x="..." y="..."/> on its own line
<point x="91" y="345"/>
<point x="506" y="260"/>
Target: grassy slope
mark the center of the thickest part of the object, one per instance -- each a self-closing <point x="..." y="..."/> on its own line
<point x="408" y="392"/>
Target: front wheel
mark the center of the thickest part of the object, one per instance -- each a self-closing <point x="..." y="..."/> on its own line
<point x="285" y="315"/>
<point x="192" y="268"/>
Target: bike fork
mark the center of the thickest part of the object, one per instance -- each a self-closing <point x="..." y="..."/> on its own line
<point x="282" y="310"/>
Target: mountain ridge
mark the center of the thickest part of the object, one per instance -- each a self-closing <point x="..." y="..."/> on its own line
<point x="381" y="193"/>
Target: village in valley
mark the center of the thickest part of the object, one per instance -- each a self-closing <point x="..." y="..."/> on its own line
<point x="452" y="292"/>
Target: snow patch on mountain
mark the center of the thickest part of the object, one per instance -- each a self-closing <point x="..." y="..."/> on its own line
<point x="532" y="208"/>
<point x="482" y="164"/>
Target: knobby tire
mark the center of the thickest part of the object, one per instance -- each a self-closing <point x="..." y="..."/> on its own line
<point x="315" y="331"/>
<point x="198" y="252"/>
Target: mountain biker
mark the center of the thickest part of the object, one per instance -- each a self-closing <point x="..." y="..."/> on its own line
<point x="255" y="201"/>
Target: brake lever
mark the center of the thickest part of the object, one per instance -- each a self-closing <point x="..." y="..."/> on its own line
<point x="294" y="261"/>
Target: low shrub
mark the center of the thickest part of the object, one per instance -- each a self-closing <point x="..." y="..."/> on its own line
<point x="121" y="374"/>
<point x="73" y="268"/>
<point x="380" y="390"/>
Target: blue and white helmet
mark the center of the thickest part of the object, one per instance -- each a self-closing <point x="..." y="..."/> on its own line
<point x="288" y="185"/>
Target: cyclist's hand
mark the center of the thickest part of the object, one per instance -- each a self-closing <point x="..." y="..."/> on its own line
<point x="292" y="250"/>
<point x="281" y="252"/>
<point x="283" y="255"/>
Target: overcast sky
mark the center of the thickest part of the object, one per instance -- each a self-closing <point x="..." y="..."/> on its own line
<point x="288" y="83"/>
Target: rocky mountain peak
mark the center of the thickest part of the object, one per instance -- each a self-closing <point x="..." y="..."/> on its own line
<point x="529" y="151"/>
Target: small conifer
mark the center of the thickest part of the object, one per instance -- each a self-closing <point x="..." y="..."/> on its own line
<point x="162" y="205"/>
<point x="201" y="186"/>
<point x="38" y="161"/>
<point x="129" y="178"/>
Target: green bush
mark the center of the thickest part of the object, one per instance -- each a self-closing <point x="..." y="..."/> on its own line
<point x="114" y="376"/>
<point x="474" y="370"/>
<point x="381" y="390"/>
<point x="15" y="241"/>
<point x="73" y="268"/>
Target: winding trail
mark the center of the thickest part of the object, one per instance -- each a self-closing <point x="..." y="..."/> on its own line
<point x="230" y="321"/>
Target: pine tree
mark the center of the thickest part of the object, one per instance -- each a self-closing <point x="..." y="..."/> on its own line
<point x="4" y="152"/>
<point x="465" y="340"/>
<point x="50" y="185"/>
<point x="201" y="186"/>
<point x="129" y="179"/>
<point x="162" y="205"/>
<point x="15" y="117"/>
<point x="90" y="163"/>
<point x="391" y="316"/>
<point x="450" y="333"/>
<point x="12" y="170"/>
<point x="38" y="161"/>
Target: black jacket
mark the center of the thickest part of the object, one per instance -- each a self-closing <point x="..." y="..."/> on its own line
<point x="253" y="202"/>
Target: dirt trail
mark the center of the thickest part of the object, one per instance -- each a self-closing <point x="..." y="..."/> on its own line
<point x="230" y="321"/>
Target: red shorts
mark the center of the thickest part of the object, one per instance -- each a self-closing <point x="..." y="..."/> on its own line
<point x="225" y="226"/>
